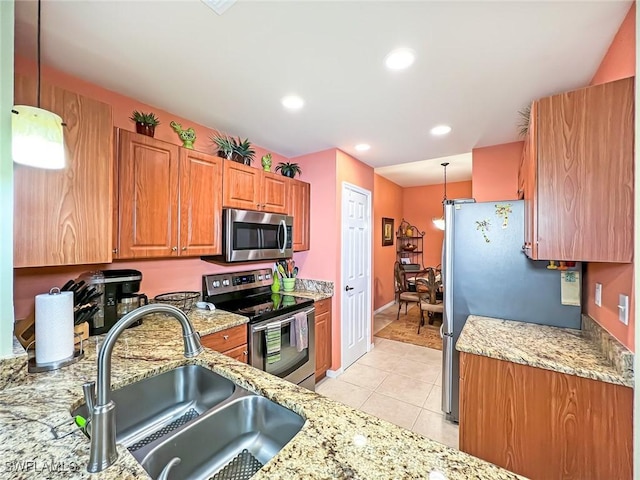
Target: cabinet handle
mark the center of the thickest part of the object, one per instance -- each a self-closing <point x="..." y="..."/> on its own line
<point x="245" y="353"/>
<point x="115" y="250"/>
<point x="174" y="249"/>
<point x="226" y="337"/>
<point x="184" y="248"/>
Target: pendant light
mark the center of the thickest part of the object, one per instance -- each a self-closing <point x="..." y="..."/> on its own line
<point x="439" y="221"/>
<point x="37" y="135"/>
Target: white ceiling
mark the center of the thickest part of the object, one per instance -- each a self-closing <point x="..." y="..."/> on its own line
<point x="429" y="172"/>
<point x="477" y="64"/>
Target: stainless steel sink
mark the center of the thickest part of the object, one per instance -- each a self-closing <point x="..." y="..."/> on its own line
<point x="153" y="407"/>
<point x="250" y="429"/>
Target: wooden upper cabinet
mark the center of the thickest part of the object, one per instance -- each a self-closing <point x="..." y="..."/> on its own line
<point x="169" y="199"/>
<point x="529" y="186"/>
<point x="299" y="207"/>
<point x="200" y="203"/>
<point x="147" y="196"/>
<point x="274" y="191"/>
<point x="583" y="191"/>
<point x="249" y="188"/>
<point x="63" y="217"/>
<point x="241" y="186"/>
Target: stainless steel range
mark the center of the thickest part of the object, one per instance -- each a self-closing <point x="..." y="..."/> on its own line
<point x="249" y="294"/>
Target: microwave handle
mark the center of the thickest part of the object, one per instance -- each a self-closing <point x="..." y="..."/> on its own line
<point x="282" y="226"/>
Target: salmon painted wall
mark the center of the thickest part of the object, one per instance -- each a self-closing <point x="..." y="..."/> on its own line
<point x="185" y="274"/>
<point x="353" y="171"/>
<point x="387" y="202"/>
<point x="619" y="62"/>
<point x="421" y="204"/>
<point x="495" y="172"/>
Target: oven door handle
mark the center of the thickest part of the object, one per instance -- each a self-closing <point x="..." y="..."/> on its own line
<point x="280" y="323"/>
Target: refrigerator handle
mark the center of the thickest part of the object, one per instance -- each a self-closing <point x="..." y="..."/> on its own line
<point x="447" y="270"/>
<point x="447" y="372"/>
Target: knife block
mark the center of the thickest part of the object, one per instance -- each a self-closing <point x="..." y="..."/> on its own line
<point x="81" y="332"/>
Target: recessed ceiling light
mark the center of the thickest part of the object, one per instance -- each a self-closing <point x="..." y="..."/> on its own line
<point x="440" y="130"/>
<point x="293" y="102"/>
<point x="399" y="59"/>
<point x="363" y="147"/>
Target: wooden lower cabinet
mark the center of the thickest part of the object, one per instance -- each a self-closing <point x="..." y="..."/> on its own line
<point x="543" y="424"/>
<point x="323" y="337"/>
<point x="231" y="342"/>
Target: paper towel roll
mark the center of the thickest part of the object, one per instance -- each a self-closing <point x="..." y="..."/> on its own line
<point x="54" y="326"/>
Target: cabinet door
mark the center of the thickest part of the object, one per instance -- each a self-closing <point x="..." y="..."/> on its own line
<point x="323" y="338"/>
<point x="200" y="203"/>
<point x="241" y="186"/>
<point x="63" y="217"/>
<point x="148" y="197"/>
<point x="299" y="200"/>
<point x="274" y="193"/>
<point x="530" y="187"/>
<point x="240" y="353"/>
<point x="585" y="174"/>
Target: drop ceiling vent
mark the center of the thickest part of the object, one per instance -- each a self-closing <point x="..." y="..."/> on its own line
<point x="219" y="6"/>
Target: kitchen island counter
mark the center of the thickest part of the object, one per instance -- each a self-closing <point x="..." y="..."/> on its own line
<point x="335" y="442"/>
<point x="563" y="350"/>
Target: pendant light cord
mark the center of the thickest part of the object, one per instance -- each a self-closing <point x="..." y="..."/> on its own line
<point x="38" y="51"/>
<point x="445" y="181"/>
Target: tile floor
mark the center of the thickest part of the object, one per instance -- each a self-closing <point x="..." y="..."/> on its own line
<point x="400" y="383"/>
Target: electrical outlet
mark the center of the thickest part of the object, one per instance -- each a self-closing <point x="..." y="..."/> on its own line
<point x="599" y="294"/>
<point x="623" y="309"/>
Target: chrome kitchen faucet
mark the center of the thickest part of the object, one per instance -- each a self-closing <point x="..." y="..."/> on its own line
<point x="102" y="409"/>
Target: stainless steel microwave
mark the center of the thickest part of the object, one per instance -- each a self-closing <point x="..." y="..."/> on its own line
<point x="248" y="236"/>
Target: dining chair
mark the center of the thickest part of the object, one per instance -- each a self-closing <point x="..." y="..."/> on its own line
<point x="427" y="288"/>
<point x="402" y="291"/>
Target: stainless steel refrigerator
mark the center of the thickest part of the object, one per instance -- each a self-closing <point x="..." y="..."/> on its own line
<point x="485" y="272"/>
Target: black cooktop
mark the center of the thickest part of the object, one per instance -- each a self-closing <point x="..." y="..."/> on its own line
<point x="265" y="306"/>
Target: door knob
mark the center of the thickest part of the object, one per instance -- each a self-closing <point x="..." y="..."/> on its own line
<point x="347" y="288"/>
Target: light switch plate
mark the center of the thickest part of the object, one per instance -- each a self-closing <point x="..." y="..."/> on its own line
<point x="623" y="309"/>
<point x="599" y="294"/>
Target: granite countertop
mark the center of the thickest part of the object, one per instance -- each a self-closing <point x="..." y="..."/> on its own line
<point x="315" y="296"/>
<point x="335" y="442"/>
<point x="562" y="350"/>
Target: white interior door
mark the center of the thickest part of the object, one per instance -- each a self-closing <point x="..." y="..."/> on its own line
<point x="356" y="272"/>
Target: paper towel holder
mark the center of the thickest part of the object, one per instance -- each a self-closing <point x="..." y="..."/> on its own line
<point x="35" y="367"/>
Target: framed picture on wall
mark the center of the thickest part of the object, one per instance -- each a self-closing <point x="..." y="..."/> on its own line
<point x="387" y="231"/>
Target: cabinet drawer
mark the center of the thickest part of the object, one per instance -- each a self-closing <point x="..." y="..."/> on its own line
<point x="323" y="306"/>
<point x="226" y="339"/>
<point x="240" y="353"/>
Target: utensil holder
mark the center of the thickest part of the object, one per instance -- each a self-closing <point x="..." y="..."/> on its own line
<point x="289" y="284"/>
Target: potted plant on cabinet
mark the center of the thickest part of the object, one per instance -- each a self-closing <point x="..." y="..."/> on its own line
<point x="289" y="169"/>
<point x="230" y="148"/>
<point x="146" y="123"/>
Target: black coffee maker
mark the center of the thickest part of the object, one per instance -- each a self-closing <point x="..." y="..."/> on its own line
<point x="120" y="296"/>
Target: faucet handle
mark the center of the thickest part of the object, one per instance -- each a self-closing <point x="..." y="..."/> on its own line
<point x="89" y="389"/>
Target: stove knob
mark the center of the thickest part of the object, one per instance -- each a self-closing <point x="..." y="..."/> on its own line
<point x="216" y="284"/>
<point x="259" y="278"/>
<point x="267" y="276"/>
<point x="225" y="282"/>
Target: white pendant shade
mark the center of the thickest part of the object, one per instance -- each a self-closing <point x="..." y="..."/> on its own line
<point x="439" y="223"/>
<point x="37" y="138"/>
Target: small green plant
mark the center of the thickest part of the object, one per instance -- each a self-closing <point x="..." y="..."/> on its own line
<point x="230" y="148"/>
<point x="523" y="123"/>
<point x="145" y="118"/>
<point x="288" y="169"/>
